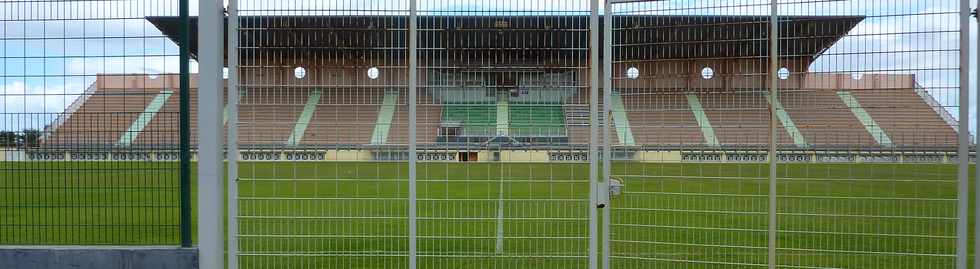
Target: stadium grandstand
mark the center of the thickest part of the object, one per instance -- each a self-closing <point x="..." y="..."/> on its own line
<point x="713" y="110"/>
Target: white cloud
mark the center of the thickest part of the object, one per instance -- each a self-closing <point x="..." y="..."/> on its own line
<point x="125" y="65"/>
<point x="33" y="107"/>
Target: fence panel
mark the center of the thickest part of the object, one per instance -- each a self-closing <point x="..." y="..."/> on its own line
<point x="865" y="123"/>
<point x="89" y="119"/>
<point x="323" y="176"/>
<point x="503" y="127"/>
<point x="891" y="80"/>
<point x="691" y="134"/>
<point x="867" y="137"/>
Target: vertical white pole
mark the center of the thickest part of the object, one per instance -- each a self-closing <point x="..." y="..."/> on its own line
<point x="233" y="134"/>
<point x="210" y="221"/>
<point x="773" y="96"/>
<point x="593" y="132"/>
<point x="607" y="55"/>
<point x="412" y="155"/>
<point x="963" y="198"/>
<point x="500" y="217"/>
<point x="976" y="214"/>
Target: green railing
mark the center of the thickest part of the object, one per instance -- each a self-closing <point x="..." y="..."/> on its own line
<point x="75" y="161"/>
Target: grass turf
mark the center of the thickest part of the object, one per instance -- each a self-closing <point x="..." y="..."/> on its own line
<point x="354" y="215"/>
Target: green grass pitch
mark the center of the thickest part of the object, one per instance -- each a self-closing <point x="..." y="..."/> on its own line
<point x="354" y="214"/>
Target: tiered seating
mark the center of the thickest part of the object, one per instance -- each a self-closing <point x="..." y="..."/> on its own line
<point x="661" y="118"/>
<point x="824" y="119"/>
<point x="741" y="117"/>
<point x="576" y="110"/>
<point x="538" y="120"/>
<point x="104" y="117"/>
<point x="906" y="118"/>
<point x="428" y="114"/>
<point x="267" y="116"/>
<point x="343" y="116"/>
<point x="164" y="128"/>
<point x="476" y="119"/>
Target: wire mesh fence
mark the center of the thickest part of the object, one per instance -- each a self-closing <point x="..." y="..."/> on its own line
<point x="855" y="95"/>
<point x="495" y="81"/>
<point x="87" y="110"/>
<point x="322" y="133"/>
<point x="691" y="125"/>
<point x="454" y="133"/>
<point x="894" y="76"/>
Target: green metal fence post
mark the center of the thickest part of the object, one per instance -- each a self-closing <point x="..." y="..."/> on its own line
<point x="185" y="130"/>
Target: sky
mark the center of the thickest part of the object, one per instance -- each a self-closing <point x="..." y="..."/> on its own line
<point x="51" y="50"/>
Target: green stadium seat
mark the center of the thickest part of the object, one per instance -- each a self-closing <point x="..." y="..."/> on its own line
<point x="537" y="120"/>
<point x="476" y="119"/>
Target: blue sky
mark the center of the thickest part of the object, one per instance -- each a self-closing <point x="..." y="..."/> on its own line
<point x="47" y="62"/>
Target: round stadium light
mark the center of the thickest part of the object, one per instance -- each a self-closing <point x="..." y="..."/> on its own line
<point x="783" y="73"/>
<point x="707" y="73"/>
<point x="299" y="72"/>
<point x="373" y="73"/>
<point x="632" y="73"/>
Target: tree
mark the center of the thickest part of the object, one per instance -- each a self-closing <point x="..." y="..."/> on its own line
<point x="30" y="138"/>
<point x="8" y="139"/>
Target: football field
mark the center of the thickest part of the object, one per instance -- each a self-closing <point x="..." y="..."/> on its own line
<point x="508" y="215"/>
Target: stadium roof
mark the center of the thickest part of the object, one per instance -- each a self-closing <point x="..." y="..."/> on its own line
<point x="670" y="37"/>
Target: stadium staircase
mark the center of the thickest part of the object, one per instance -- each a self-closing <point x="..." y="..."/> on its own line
<point x="144" y="118"/>
<point x="703" y="123"/>
<point x="385" y="115"/>
<point x="862" y="115"/>
<point x="788" y="123"/>
<point x="577" y="122"/>
<point x="503" y="114"/>
<point x="577" y="115"/>
<point x="622" y="124"/>
<point x="823" y="119"/>
<point x="304" y="118"/>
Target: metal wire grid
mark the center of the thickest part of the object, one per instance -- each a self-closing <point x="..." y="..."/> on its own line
<point x="497" y="80"/>
<point x="901" y="65"/>
<point x="332" y="68"/>
<point x="76" y="171"/>
<point x="690" y="79"/>
<point x="829" y="215"/>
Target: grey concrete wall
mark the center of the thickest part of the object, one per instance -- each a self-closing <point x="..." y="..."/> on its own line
<point x="99" y="258"/>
